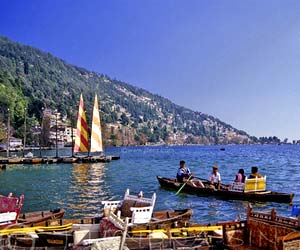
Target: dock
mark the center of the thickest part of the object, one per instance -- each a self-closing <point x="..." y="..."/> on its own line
<point x="50" y="160"/>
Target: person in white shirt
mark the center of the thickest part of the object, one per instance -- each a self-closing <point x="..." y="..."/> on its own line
<point x="215" y="178"/>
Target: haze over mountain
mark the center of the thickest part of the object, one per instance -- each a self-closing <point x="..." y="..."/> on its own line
<point x="35" y="79"/>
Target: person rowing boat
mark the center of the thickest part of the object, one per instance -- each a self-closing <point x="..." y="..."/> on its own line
<point x="184" y="174"/>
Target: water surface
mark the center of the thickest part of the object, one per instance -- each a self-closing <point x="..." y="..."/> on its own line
<point x="80" y="188"/>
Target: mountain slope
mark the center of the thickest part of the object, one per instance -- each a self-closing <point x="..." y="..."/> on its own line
<point x="130" y="115"/>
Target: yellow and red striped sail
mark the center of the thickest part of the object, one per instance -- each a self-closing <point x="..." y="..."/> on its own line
<point x="81" y="139"/>
<point x="96" y="137"/>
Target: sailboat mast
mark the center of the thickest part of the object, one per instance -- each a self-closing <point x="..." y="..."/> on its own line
<point x="8" y="133"/>
<point x="72" y="135"/>
<point x="24" y="141"/>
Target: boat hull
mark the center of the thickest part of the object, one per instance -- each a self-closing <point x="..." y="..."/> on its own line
<point x="39" y="218"/>
<point x="268" y="196"/>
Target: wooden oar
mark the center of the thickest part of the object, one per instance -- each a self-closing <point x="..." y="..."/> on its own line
<point x="183" y="185"/>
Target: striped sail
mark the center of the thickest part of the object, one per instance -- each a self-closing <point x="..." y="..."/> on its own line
<point x="96" y="137"/>
<point x="81" y="139"/>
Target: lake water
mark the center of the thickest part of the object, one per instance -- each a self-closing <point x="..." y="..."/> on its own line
<point x="80" y="188"/>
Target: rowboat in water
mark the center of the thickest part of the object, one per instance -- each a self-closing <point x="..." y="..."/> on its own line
<point x="11" y="216"/>
<point x="39" y="218"/>
<point x="226" y="192"/>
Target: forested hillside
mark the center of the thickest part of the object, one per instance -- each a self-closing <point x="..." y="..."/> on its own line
<point x="31" y="79"/>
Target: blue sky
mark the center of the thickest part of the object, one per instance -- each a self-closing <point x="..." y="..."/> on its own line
<point x="236" y="60"/>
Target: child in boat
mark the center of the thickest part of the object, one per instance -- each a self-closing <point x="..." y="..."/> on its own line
<point x="240" y="176"/>
<point x="215" y="178"/>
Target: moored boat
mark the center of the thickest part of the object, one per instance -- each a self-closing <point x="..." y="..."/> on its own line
<point x="10" y="208"/>
<point x="33" y="160"/>
<point x="39" y="218"/>
<point x="69" y="159"/>
<point x="160" y="219"/>
<point x="15" y="160"/>
<point x="11" y="216"/>
<point x="164" y="219"/>
<point x="225" y="192"/>
<point x="85" y="236"/>
<point x="3" y="160"/>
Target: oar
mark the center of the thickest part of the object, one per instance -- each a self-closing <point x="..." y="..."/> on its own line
<point x="184" y="185"/>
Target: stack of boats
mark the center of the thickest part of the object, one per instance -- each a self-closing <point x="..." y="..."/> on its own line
<point x="132" y="223"/>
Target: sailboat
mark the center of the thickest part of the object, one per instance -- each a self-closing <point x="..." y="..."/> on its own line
<point x="95" y="152"/>
<point x="96" y="136"/>
<point x="81" y="137"/>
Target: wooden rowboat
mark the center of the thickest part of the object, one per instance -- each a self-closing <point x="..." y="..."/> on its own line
<point x="33" y="160"/>
<point x="161" y="220"/>
<point x="34" y="219"/>
<point x="58" y="240"/>
<point x="224" y="193"/>
<point x="69" y="159"/>
<point x="39" y="218"/>
<point x="15" y="160"/>
<point x="166" y="219"/>
<point x="194" y="236"/>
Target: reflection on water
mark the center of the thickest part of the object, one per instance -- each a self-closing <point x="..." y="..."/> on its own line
<point x="80" y="172"/>
<point x="88" y="186"/>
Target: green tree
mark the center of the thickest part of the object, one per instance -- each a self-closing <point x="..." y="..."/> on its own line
<point x="124" y="119"/>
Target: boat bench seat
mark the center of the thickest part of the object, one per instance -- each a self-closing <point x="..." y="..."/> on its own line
<point x="139" y="209"/>
<point x="141" y="214"/>
<point x="10" y="208"/>
<point x="8" y="218"/>
<point x="255" y="184"/>
<point x="250" y="185"/>
<point x="237" y="187"/>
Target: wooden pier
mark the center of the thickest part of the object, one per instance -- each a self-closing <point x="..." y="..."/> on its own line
<point x="50" y="160"/>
